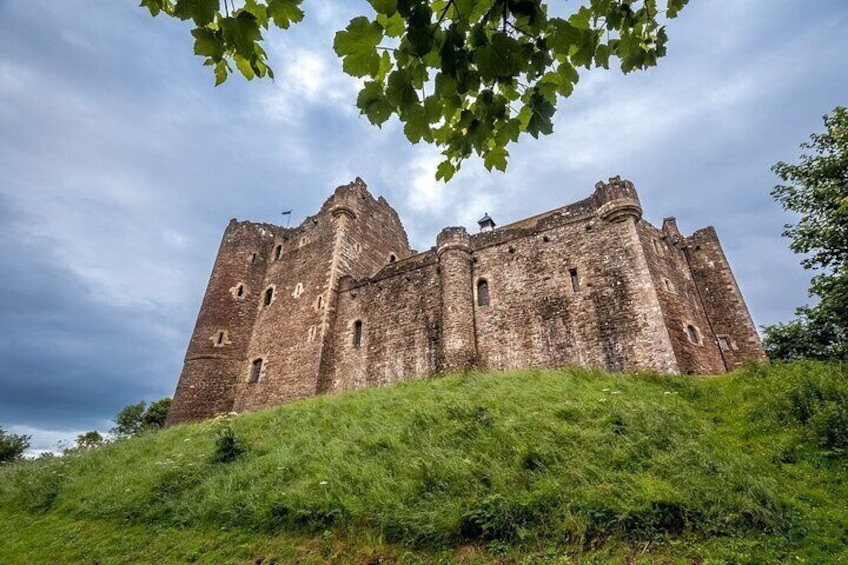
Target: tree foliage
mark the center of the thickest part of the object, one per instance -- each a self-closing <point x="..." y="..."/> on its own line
<point x="154" y="416"/>
<point x="469" y="76"/>
<point x="816" y="189"/>
<point x="12" y="446"/>
<point x="89" y="440"/>
<point x="134" y="419"/>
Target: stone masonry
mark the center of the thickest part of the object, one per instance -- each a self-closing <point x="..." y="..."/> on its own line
<point x="341" y="302"/>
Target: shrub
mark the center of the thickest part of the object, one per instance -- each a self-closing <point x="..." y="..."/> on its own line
<point x="228" y="447"/>
<point x="812" y="395"/>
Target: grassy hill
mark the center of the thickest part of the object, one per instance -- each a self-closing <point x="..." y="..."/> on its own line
<point x="567" y="466"/>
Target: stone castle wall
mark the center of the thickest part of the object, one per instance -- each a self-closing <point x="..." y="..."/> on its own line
<point x="351" y="306"/>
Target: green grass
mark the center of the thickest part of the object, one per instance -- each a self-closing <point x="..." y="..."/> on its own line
<point x="568" y="466"/>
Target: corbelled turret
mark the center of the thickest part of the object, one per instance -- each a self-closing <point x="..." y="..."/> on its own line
<point x="617" y="200"/>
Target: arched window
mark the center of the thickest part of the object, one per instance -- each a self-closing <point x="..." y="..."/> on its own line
<point x="692" y="332"/>
<point x="255" y="370"/>
<point x="482" y="292"/>
<point x="298" y="290"/>
<point x="269" y="295"/>
<point x="392" y="258"/>
<point x="277" y="252"/>
<point x="357" y="333"/>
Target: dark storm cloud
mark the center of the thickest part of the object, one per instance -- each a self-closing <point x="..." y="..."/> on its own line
<point x="120" y="165"/>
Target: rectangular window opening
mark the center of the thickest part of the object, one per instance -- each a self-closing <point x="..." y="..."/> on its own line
<point x="255" y="370"/>
<point x="575" y="280"/>
<point x="357" y="333"/>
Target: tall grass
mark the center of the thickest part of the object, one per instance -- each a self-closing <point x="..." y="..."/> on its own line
<point x="513" y="461"/>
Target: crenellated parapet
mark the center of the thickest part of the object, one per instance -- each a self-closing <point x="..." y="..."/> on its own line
<point x="455" y="238"/>
<point x="617" y="200"/>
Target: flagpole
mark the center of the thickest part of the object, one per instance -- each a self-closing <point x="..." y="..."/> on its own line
<point x="288" y="214"/>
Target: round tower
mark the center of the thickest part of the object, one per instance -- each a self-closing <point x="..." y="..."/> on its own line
<point x="617" y="200"/>
<point x="217" y="352"/>
<point x="454" y="255"/>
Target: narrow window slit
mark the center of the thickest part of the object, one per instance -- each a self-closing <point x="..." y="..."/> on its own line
<point x="482" y="292"/>
<point x="255" y="370"/>
<point x="357" y="333"/>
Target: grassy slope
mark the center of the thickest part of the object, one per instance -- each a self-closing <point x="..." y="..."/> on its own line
<point x="554" y="466"/>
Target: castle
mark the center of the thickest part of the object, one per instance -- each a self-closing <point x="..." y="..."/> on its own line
<point x="341" y="302"/>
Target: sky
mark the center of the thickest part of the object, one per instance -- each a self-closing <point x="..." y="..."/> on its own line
<point x="121" y="164"/>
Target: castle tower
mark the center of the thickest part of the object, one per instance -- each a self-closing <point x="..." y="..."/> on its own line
<point x="343" y="213"/>
<point x="455" y="277"/>
<point x="730" y="322"/>
<point x="218" y="348"/>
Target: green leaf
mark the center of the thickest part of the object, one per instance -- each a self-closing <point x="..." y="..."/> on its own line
<point x="584" y="55"/>
<point x="242" y="33"/>
<point x="243" y="65"/>
<point x="222" y="70"/>
<point x="357" y="45"/>
<point x="373" y="104"/>
<point x="508" y="132"/>
<point x="419" y="30"/>
<point x="562" y="35"/>
<point x="602" y="56"/>
<point x="464" y="8"/>
<point x="154" y="6"/>
<point x="400" y="91"/>
<point x="394" y="26"/>
<point x="445" y="171"/>
<point x="496" y="158"/>
<point x="387" y="7"/>
<point x="433" y="108"/>
<point x="581" y="18"/>
<point x="500" y="59"/>
<point x="285" y="12"/>
<point x="259" y="11"/>
<point x="385" y="67"/>
<point x="201" y="11"/>
<point x="208" y="43"/>
<point x="416" y="127"/>
<point x="674" y="7"/>
<point x="540" y="117"/>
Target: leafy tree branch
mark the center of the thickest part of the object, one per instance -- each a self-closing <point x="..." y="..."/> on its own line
<point x="496" y="68"/>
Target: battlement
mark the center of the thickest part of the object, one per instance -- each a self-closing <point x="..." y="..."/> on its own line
<point x="341" y="302"/>
<point x="617" y="200"/>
